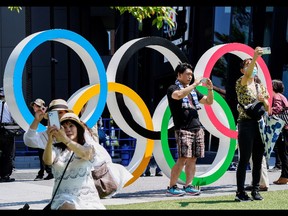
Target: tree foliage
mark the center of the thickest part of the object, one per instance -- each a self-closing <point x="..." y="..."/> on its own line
<point x="158" y="14"/>
<point x="12" y="8"/>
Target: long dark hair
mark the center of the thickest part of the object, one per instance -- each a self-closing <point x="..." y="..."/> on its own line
<point x="80" y="134"/>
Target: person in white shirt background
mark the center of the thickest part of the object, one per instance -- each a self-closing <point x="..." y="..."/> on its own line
<point x="7" y="145"/>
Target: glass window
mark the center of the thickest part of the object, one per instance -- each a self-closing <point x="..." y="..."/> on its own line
<point x="221" y="22"/>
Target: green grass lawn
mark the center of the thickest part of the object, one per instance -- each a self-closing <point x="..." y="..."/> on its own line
<point x="274" y="200"/>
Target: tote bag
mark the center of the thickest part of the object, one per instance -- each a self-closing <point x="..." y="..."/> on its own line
<point x="270" y="126"/>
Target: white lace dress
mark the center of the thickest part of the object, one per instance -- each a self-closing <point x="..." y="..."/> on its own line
<point x="77" y="186"/>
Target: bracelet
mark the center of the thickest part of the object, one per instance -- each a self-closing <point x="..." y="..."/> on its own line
<point x="210" y="89"/>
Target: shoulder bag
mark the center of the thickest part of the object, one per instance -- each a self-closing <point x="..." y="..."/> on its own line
<point x="104" y="181"/>
<point x="254" y="110"/>
<point x="10" y="130"/>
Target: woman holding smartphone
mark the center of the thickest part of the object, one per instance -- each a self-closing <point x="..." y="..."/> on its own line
<point x="77" y="189"/>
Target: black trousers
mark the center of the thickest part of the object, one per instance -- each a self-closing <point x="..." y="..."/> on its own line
<point x="249" y="143"/>
<point x="43" y="167"/>
<point x="7" y="147"/>
<point x="282" y="146"/>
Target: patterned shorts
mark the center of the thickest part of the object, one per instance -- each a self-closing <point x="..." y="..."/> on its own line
<point x="190" y="143"/>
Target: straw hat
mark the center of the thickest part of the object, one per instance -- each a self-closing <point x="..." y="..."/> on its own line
<point x="72" y="117"/>
<point x="58" y="104"/>
<point x="39" y="102"/>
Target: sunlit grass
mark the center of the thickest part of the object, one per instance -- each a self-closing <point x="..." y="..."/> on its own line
<point x="274" y="200"/>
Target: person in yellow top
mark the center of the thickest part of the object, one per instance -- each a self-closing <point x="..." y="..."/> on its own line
<point x="249" y="138"/>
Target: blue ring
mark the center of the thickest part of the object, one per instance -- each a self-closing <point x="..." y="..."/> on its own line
<point x="56" y="34"/>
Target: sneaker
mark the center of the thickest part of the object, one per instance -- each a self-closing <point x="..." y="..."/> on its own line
<point x="49" y="176"/>
<point x="159" y="174"/>
<point x="38" y="178"/>
<point x="242" y="197"/>
<point x="7" y="179"/>
<point x="191" y="190"/>
<point x="175" y="191"/>
<point x="274" y="169"/>
<point x="233" y="166"/>
<point x="256" y="196"/>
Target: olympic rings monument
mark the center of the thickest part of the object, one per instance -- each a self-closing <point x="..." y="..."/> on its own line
<point x="151" y="132"/>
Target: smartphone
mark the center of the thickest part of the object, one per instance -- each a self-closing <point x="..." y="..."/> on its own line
<point x="43" y="108"/>
<point x="54" y="118"/>
<point x="203" y="80"/>
<point x="266" y="50"/>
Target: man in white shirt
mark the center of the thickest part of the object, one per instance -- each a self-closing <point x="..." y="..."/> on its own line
<point x="36" y="105"/>
<point x="35" y="139"/>
<point x="7" y="145"/>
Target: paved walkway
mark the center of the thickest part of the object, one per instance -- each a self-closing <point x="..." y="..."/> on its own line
<point x="14" y="195"/>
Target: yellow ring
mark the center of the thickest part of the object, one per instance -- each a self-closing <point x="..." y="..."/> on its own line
<point x="117" y="87"/>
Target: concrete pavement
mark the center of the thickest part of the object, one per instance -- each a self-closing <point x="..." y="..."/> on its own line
<point x="37" y="194"/>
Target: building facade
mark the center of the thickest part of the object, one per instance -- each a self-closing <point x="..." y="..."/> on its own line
<point x="55" y="71"/>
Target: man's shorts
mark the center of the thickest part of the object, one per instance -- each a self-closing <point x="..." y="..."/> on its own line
<point x="190" y="143"/>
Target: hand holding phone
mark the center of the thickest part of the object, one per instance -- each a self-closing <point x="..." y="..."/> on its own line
<point x="203" y="80"/>
<point x="266" y="50"/>
<point x="43" y="108"/>
<point x="54" y="118"/>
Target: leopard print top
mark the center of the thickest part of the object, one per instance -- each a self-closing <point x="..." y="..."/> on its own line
<point x="246" y="96"/>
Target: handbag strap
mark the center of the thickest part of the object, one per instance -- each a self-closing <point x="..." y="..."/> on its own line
<point x="257" y="90"/>
<point x="2" y="113"/>
<point x="61" y="178"/>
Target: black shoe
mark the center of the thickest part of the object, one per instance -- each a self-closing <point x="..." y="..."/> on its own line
<point x="38" y="178"/>
<point x="7" y="179"/>
<point x="159" y="174"/>
<point x="25" y="207"/>
<point x="49" y="176"/>
<point x="148" y="174"/>
<point x="256" y="196"/>
<point x="242" y="197"/>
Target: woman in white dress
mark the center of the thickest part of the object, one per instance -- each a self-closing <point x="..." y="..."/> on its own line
<point x="77" y="189"/>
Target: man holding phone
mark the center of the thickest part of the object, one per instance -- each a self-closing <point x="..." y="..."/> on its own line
<point x="35" y="139"/>
<point x="38" y="105"/>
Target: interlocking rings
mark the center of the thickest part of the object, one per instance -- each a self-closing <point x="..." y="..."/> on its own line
<point x="128" y="110"/>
